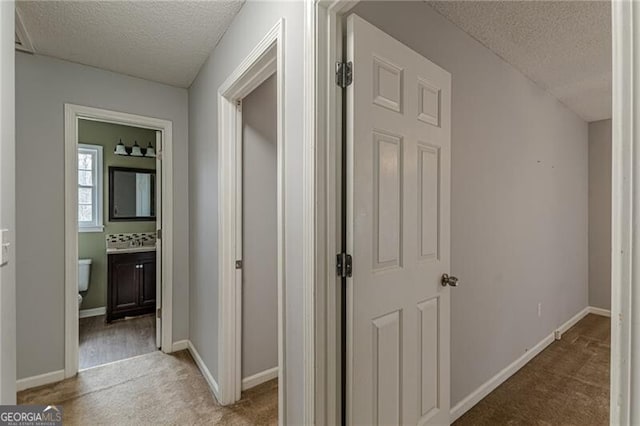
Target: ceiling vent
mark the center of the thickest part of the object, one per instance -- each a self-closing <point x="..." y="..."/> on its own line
<point x="23" y="42"/>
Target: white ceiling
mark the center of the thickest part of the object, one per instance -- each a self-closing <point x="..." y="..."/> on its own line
<point x="564" y="46"/>
<point x="163" y="41"/>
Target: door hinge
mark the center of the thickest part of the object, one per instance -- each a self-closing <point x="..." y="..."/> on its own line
<point x="344" y="267"/>
<point x="159" y="155"/>
<point x="159" y="313"/>
<point x="344" y="74"/>
<point x="159" y="234"/>
<point x="238" y="264"/>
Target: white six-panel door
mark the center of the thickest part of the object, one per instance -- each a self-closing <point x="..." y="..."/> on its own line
<point x="398" y="167"/>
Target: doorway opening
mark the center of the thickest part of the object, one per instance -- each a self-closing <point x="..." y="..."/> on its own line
<point x="117" y="203"/>
<point x="251" y="199"/>
<point x="118" y="240"/>
<point x="259" y="236"/>
<point x="385" y="83"/>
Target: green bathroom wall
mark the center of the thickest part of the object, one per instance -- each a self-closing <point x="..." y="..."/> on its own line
<point x="92" y="245"/>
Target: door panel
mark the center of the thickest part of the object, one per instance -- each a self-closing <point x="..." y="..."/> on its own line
<point x="428" y="201"/>
<point x="387" y="356"/>
<point x="428" y="359"/>
<point x="398" y="156"/>
<point x="387" y="193"/>
<point x="125" y="288"/>
<point x="148" y="282"/>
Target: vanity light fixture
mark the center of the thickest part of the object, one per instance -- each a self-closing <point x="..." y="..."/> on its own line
<point x="120" y="149"/>
<point x="135" y="150"/>
<point x="150" y="151"/>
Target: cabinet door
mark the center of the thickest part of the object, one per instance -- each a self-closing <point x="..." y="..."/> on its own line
<point x="124" y="285"/>
<point x="147" y="284"/>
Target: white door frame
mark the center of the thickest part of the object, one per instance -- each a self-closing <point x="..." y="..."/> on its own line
<point x="625" y="216"/>
<point x="325" y="48"/>
<point x="264" y="60"/>
<point x="73" y="113"/>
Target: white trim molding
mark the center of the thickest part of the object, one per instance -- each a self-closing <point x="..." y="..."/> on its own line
<point x="72" y="114"/>
<point x="213" y="385"/>
<point x="625" y="215"/>
<point x="93" y="312"/>
<point x="324" y="50"/>
<point x="259" y="378"/>
<point x="310" y="226"/>
<point x="570" y="323"/>
<point x="600" y="311"/>
<point x="180" y="345"/>
<point x="265" y="59"/>
<point x="39" y="380"/>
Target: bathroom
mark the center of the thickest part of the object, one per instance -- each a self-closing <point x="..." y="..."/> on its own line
<point x="116" y="242"/>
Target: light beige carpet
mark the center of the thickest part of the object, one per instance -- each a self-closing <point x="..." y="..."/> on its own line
<point x="566" y="384"/>
<point x="156" y="389"/>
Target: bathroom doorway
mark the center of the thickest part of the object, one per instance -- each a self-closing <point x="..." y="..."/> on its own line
<point x="116" y="242"/>
<point x="117" y="183"/>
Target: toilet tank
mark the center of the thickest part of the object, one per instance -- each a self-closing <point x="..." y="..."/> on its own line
<point x="84" y="274"/>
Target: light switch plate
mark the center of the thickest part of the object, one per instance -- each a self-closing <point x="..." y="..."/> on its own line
<point x="4" y="247"/>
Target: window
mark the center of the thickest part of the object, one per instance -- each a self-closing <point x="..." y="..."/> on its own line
<point x="90" y="188"/>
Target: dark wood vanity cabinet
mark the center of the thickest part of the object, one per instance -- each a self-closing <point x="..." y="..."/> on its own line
<point x="131" y="285"/>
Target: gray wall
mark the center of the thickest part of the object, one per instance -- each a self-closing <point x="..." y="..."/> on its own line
<point x="518" y="199"/>
<point x="7" y="205"/>
<point x="600" y="214"/>
<point x="259" y="217"/>
<point x="248" y="28"/>
<point x="43" y="86"/>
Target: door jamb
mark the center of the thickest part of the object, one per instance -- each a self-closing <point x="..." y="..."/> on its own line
<point x="73" y="113"/>
<point x="625" y="215"/>
<point x="264" y="60"/>
<point x="326" y="50"/>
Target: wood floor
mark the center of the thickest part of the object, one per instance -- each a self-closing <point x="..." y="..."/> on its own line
<point x="101" y="343"/>
<point x="566" y="384"/>
<point x="152" y="389"/>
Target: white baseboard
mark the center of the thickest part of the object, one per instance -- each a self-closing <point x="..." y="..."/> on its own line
<point x="490" y="385"/>
<point x="572" y="321"/>
<point x="599" y="311"/>
<point x="180" y="345"/>
<point x="204" y="370"/>
<point x="259" y="378"/>
<point x="39" y="380"/>
<point x="94" y="312"/>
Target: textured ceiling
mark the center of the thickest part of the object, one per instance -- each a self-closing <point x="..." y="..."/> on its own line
<point x="564" y="46"/>
<point x="161" y="41"/>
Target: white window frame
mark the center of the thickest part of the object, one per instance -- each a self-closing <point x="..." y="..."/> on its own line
<point x="96" y="225"/>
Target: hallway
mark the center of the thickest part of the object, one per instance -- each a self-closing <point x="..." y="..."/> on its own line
<point x="155" y="388"/>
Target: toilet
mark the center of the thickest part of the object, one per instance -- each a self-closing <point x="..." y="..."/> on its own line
<point x="84" y="274"/>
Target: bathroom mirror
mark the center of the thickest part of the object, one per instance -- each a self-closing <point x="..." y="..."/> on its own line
<point x="132" y="194"/>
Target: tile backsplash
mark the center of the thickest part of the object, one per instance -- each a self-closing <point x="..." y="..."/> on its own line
<point x="134" y="239"/>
